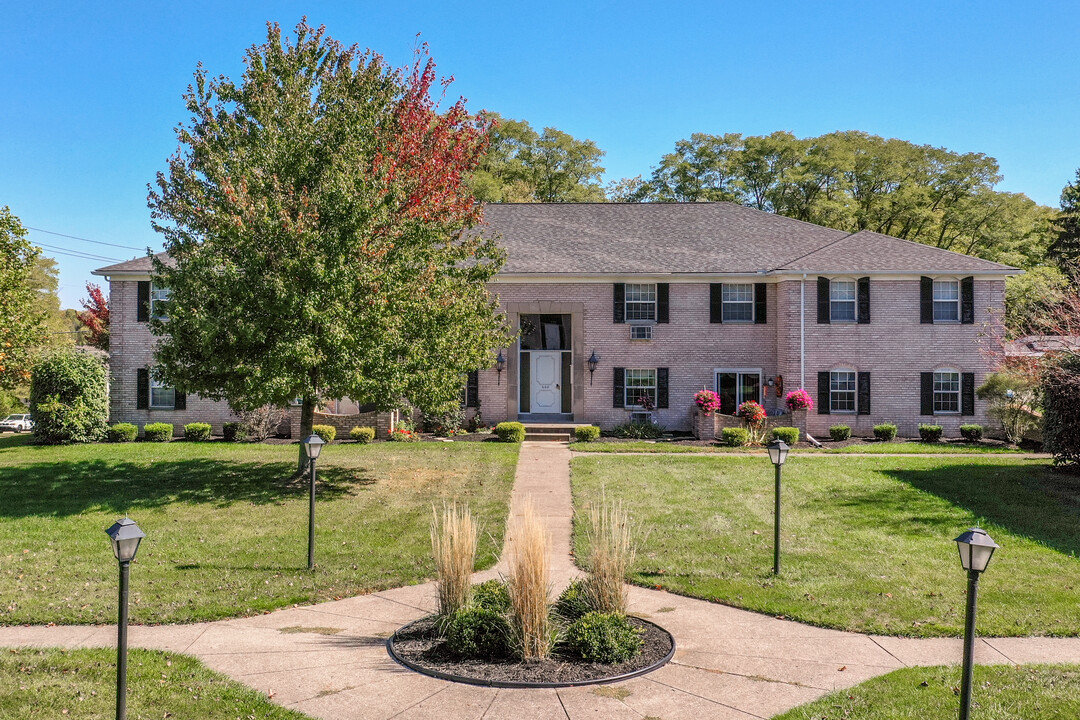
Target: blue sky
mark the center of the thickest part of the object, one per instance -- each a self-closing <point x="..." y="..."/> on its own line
<point x="91" y="90"/>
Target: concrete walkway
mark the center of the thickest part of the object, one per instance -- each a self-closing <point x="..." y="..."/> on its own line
<point x="329" y="660"/>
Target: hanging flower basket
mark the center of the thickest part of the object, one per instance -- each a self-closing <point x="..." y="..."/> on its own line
<point x="799" y="400"/>
<point x="707" y="401"/>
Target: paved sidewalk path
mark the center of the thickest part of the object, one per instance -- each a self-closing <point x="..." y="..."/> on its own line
<point x="329" y="660"/>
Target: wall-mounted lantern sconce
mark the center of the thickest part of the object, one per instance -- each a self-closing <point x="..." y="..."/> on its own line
<point x="500" y="365"/>
<point x="770" y="382"/>
<point x="593" y="362"/>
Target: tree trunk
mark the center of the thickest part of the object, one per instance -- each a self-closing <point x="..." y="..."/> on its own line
<point x="307" y="420"/>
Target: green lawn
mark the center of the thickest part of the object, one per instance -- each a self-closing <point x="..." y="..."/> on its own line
<point x="863" y="448"/>
<point x="226" y="526"/>
<point x="82" y="684"/>
<point x="866" y="543"/>
<point x="1000" y="692"/>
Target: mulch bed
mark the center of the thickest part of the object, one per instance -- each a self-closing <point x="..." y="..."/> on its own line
<point x="418" y="646"/>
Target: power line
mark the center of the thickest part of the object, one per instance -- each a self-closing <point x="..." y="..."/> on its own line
<point x="76" y="254"/>
<point x="74" y="237"/>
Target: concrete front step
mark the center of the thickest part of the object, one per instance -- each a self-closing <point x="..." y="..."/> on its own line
<point x="549" y="432"/>
<point x="547" y="437"/>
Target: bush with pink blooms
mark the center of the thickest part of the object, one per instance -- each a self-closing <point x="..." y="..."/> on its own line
<point x="752" y="413"/>
<point x="707" y="401"/>
<point x="798" y="400"/>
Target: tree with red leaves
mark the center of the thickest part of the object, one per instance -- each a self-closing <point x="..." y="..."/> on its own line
<point x="95" y="316"/>
<point x="321" y="235"/>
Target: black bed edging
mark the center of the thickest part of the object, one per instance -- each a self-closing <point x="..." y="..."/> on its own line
<point x="526" y="684"/>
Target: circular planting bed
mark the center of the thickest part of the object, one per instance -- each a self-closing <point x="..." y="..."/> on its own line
<point x="418" y="646"/>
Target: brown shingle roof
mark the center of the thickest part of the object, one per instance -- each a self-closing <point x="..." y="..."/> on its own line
<point x="868" y="251"/>
<point x="139" y="265"/>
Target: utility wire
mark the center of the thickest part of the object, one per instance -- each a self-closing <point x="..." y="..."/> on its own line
<point x="76" y="254"/>
<point x="73" y="237"/>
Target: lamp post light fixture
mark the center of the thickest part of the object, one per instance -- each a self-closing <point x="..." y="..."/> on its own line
<point x="976" y="548"/>
<point x="500" y="365"/>
<point x="778" y="452"/>
<point x="593" y="361"/>
<point x="125" y="536"/>
<point x="312" y="447"/>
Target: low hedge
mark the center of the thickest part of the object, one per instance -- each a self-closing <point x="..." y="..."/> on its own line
<point x="604" y="638"/>
<point x="326" y="432"/>
<point x="586" y="433"/>
<point x="790" y="435"/>
<point x="122" y="432"/>
<point x="362" y="435"/>
<point x="475" y="632"/>
<point x="840" y="433"/>
<point x="885" y="431"/>
<point x="930" y="433"/>
<point x="492" y="595"/>
<point x="510" y="432"/>
<point x="638" y="431"/>
<point x="971" y="433"/>
<point x="197" y="431"/>
<point x="158" y="432"/>
<point x="735" y="436"/>
<point x="572" y="603"/>
<point x="234" y="431"/>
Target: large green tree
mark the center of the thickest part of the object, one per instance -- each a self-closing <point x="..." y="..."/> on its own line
<point x="22" y="320"/>
<point x="1065" y="249"/>
<point x="321" y="234"/>
<point x="522" y="165"/>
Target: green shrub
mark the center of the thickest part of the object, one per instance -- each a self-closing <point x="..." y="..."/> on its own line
<point x="604" y="638"/>
<point x="197" y="431"/>
<point x="573" y="603"/>
<point x="69" y="399"/>
<point x="1013" y="399"/>
<point x="444" y="424"/>
<point x="735" y="436"/>
<point x="326" y="432"/>
<point x="510" y="432"/>
<point x="122" y="432"/>
<point x="158" y="432"/>
<point x="790" y="435"/>
<point x="234" y="431"/>
<point x="840" y="432"/>
<point x="586" y="433"/>
<point x="930" y="433"/>
<point x="885" y="431"/>
<point x="362" y="435"/>
<point x="475" y="632"/>
<point x="971" y="433"/>
<point x="491" y="595"/>
<point x="638" y="431"/>
<point x="400" y="434"/>
<point x="1061" y="409"/>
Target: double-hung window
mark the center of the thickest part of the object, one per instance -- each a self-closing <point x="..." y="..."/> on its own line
<point x="842" y="301"/>
<point x="640" y="384"/>
<point x="738" y="302"/>
<point x="946" y="301"/>
<point x="842" y="388"/>
<point x="946" y="391"/>
<point x="161" y="395"/>
<point x="159" y="298"/>
<point x="641" y="301"/>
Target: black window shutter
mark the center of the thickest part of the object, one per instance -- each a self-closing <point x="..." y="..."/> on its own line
<point x="967" y="301"/>
<point x="661" y="302"/>
<point x="472" y="389"/>
<point x="926" y="301"/>
<point x="661" y="387"/>
<point x="863" y="383"/>
<point x="716" y="302"/>
<point x="823" y="300"/>
<point x="142" y="312"/>
<point x="761" y="316"/>
<point x="179" y="400"/>
<point x="619" y="308"/>
<point x="864" y="300"/>
<point x="967" y="393"/>
<point x="926" y="393"/>
<point x="823" y="392"/>
<point x="618" y="397"/>
<point x="142" y="389"/>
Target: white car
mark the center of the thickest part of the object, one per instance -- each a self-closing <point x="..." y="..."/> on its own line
<point x="18" y="423"/>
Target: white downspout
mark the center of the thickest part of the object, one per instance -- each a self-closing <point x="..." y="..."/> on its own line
<point x="802" y="332"/>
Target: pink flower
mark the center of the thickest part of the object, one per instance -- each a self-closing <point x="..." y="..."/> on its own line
<point x="708" y="401"/>
<point x="799" y="400"/>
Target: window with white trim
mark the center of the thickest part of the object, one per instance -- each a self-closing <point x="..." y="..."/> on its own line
<point x="737" y="301"/>
<point x="639" y="384"/>
<point x="842" y="388"/>
<point x="161" y="395"/>
<point x="946" y="391"/>
<point x="946" y="301"/>
<point x="640" y="301"/>
<point x="842" y="301"/>
<point x="159" y="296"/>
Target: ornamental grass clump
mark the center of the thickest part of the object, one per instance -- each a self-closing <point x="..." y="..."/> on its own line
<point x="532" y="633"/>
<point x="453" y="544"/>
<point x="611" y="553"/>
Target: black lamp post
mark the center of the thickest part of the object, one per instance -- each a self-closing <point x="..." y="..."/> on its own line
<point x="125" y="536"/>
<point x="976" y="549"/>
<point x="778" y="452"/>
<point x="593" y="361"/>
<point x="500" y="365"/>
<point x="312" y="447"/>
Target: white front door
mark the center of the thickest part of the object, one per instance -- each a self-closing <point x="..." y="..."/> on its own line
<point x="546" y="378"/>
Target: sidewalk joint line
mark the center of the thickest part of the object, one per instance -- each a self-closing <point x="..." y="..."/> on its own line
<point x="874" y="639"/>
<point x="702" y="697"/>
<point x="562" y="704"/>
